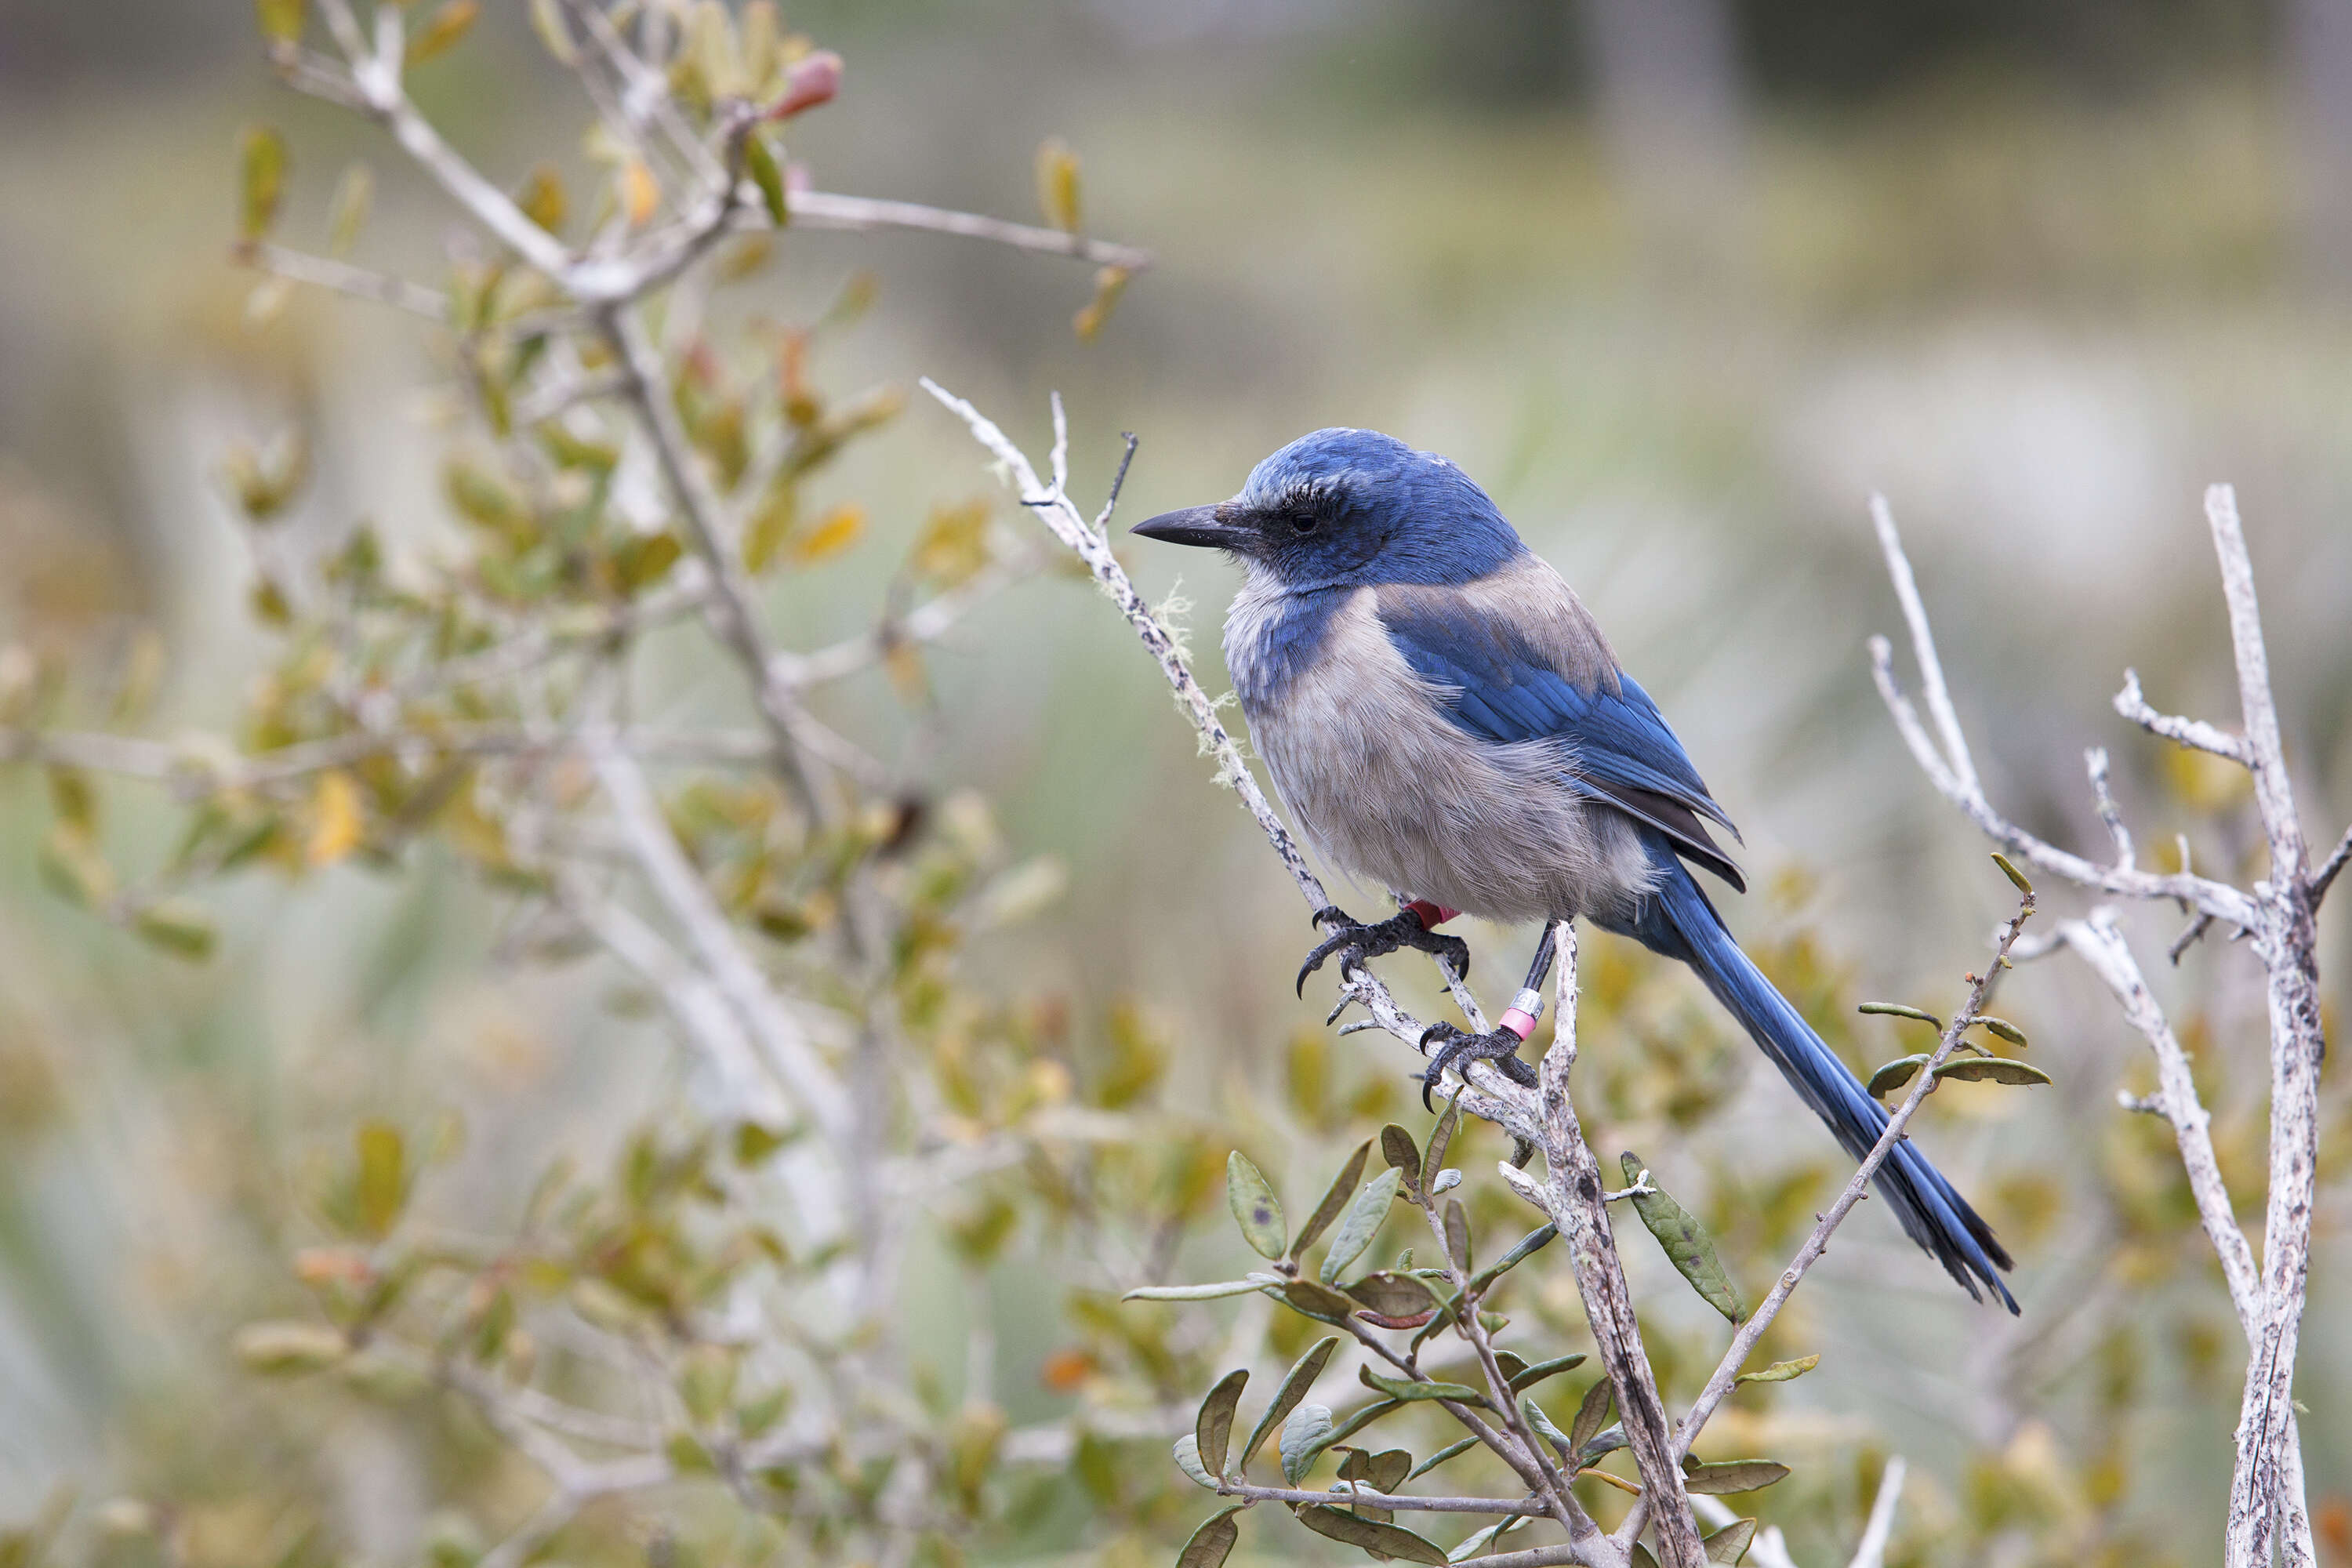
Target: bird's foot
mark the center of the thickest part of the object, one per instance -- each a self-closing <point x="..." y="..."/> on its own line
<point x="1500" y="1046"/>
<point x="1355" y="942"/>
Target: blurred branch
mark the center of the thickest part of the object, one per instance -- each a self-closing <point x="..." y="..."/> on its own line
<point x="342" y="277"/>
<point x="2325" y="877"/>
<point x="805" y="1075"/>
<point x="1871" y="1551"/>
<point x="827" y="209"/>
<point x="2194" y="733"/>
<point x="1953" y="771"/>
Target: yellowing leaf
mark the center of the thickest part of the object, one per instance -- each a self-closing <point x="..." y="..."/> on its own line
<point x="261" y="156"/>
<point x="1110" y="282"/>
<point x="337" y="822"/>
<point x="836" y="531"/>
<point x="759" y="161"/>
<point x="542" y="200"/>
<point x="443" y="28"/>
<point x="281" y="20"/>
<point x="640" y="191"/>
<point x="953" y="545"/>
<point x="769" y="528"/>
<point x="354" y="194"/>
<point x="1057" y="183"/>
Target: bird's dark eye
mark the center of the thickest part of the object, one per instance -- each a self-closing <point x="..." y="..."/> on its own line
<point x="1302" y="522"/>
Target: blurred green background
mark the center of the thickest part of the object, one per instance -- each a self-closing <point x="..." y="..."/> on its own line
<point x="1680" y="283"/>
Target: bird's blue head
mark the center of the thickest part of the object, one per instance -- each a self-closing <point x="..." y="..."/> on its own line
<point x="1344" y="507"/>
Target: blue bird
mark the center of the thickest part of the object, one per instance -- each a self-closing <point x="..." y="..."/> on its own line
<point x="1440" y="713"/>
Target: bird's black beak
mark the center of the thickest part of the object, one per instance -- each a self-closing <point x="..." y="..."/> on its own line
<point x="1212" y="527"/>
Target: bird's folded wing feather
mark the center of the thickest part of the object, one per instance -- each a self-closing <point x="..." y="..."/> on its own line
<point x="1507" y="671"/>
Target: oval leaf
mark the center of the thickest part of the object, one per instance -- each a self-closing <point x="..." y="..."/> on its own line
<point x="1592" y="1415"/>
<point x="1397" y="1148"/>
<point x="1458" y="1235"/>
<point x="1450" y="1451"/>
<point x="1687" y="1244"/>
<point x="1393" y="1294"/>
<point x="1255" y="1208"/>
<point x="1388" y="1540"/>
<point x="1304" y="1435"/>
<point x="1780" y="1371"/>
<point x="1731" y="1475"/>
<point x="1302" y="1374"/>
<point x="1406" y="1388"/>
<point x="1334" y="1199"/>
<point x="1895" y="1074"/>
<point x="1315" y="1300"/>
<point x="1992" y="1069"/>
<point x="1897" y="1010"/>
<point x="1187" y="1459"/>
<point x="1363" y="1222"/>
<point x="1522" y="1381"/>
<point x="1535" y="1241"/>
<point x="1730" y="1543"/>
<point x="1212" y="1428"/>
<point x="1212" y="1542"/>
<point x="1544" y="1428"/>
<point x="1191" y="1292"/>
<point x="1441" y="1137"/>
<point x="2004" y="1029"/>
<point x="2009" y="869"/>
<point x="1357" y="1423"/>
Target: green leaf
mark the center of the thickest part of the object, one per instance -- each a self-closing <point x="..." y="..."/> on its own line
<point x="1542" y="1425"/>
<point x="1192" y="1292"/>
<point x="1406" y="1388"/>
<point x="283" y="1349"/>
<point x="1302" y="1377"/>
<point x="1359" y="1421"/>
<point x="1522" y="1381"/>
<point x="1213" y="1426"/>
<point x="1481" y="1543"/>
<point x="1383" y="1472"/>
<point x="1641" y="1557"/>
<point x="1897" y="1010"/>
<point x="1387" y="1540"/>
<point x="261" y="159"/>
<point x="1592" y="1415"/>
<point x="2004" y="1029"/>
<point x="1393" y="1294"/>
<point x="1535" y="1241"/>
<point x="2009" y="869"/>
<point x="1731" y="1475"/>
<point x="759" y="162"/>
<point x="1304" y="1435"/>
<point x="1187" y="1459"/>
<point x="1687" y="1244"/>
<point x="1212" y="1542"/>
<point x="178" y="927"/>
<point x="1255" y="1208"/>
<point x="1314" y="1298"/>
<point x="1441" y="1137"/>
<point x="1780" y="1371"/>
<point x="1729" y="1544"/>
<point x="1452" y="1450"/>
<point x="1333" y="1198"/>
<point x="1992" y="1069"/>
<point x="1363" y="1222"/>
<point x="1458" y="1235"/>
<point x="1397" y="1148"/>
<point x="382" y="1189"/>
<point x="1894" y="1075"/>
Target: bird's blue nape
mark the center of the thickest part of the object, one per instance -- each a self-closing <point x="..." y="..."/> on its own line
<point x="1368" y="509"/>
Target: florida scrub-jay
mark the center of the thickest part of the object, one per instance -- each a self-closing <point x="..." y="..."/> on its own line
<point x="1440" y="713"/>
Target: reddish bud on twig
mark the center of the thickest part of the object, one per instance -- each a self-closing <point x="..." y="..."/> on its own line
<point x="812" y="81"/>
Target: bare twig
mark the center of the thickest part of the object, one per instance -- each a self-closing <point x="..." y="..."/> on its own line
<point x="1872" y="1551"/>
<point x="1743" y="1343"/>
<point x="342" y="277"/>
<point x="2325" y="877"/>
<point x="2194" y="733"/>
<point x="827" y="209"/>
<point x="1360" y="1497"/>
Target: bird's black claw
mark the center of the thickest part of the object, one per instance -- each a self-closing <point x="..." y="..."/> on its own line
<point x="1356" y="942"/>
<point x="1500" y="1046"/>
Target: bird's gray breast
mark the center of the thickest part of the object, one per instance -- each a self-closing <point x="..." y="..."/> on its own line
<point x="1386" y="787"/>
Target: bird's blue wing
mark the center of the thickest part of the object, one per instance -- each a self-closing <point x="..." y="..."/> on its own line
<point x="1501" y="682"/>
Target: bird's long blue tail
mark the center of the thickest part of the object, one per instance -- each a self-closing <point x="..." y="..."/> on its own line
<point x="1677" y="920"/>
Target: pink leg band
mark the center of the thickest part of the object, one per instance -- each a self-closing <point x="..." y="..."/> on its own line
<point x="1431" y="915"/>
<point x="1519" y="1023"/>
